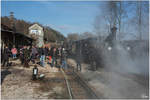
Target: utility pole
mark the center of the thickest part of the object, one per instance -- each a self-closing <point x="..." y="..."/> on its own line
<point x="13" y="26"/>
<point x="139" y="12"/>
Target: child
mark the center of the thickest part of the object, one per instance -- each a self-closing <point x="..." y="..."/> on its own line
<point x="35" y="72"/>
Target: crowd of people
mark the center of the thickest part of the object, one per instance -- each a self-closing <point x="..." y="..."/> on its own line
<point x="56" y="56"/>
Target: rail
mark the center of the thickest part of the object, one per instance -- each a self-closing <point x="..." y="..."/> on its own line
<point x="90" y="90"/>
<point x="68" y="85"/>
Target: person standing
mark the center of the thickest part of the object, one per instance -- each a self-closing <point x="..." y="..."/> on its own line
<point x="14" y="52"/>
<point x="42" y="56"/>
<point x="78" y="58"/>
<point x="33" y="54"/>
<point x="6" y="56"/>
<point x="50" y="55"/>
<point x="46" y="51"/>
<point x="64" y="59"/>
<point x="2" y="52"/>
<point x="26" y="56"/>
<point x="21" y="55"/>
<point x="54" y="56"/>
<point x="35" y="73"/>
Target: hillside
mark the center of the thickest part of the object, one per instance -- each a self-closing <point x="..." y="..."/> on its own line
<point x="22" y="26"/>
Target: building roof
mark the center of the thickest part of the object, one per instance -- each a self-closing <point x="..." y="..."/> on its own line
<point x="5" y="28"/>
<point x="35" y="26"/>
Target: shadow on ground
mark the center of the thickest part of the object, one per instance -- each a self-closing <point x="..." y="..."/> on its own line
<point x="4" y="74"/>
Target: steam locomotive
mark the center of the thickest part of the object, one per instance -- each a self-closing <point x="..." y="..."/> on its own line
<point x="93" y="49"/>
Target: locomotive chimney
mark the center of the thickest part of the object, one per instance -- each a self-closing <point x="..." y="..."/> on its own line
<point x="113" y="31"/>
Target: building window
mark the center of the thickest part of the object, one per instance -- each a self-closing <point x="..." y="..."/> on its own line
<point x="36" y="32"/>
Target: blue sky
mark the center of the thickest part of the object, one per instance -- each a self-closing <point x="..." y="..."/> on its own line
<point x="72" y="16"/>
<point x="66" y="17"/>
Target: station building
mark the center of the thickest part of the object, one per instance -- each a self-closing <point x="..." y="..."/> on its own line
<point x="11" y="38"/>
<point x="36" y="32"/>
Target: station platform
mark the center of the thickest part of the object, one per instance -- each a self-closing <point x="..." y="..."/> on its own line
<point x="17" y="83"/>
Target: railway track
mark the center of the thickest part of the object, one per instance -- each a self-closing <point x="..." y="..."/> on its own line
<point x="77" y="87"/>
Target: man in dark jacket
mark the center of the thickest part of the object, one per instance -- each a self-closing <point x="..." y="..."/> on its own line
<point x="6" y="56"/>
<point x="26" y="56"/>
<point x="33" y="54"/>
<point x="21" y="55"/>
<point x="46" y="51"/>
<point x="2" y="52"/>
<point x="78" y="57"/>
<point x="54" y="56"/>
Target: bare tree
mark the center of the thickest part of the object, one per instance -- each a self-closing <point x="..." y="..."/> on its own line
<point x="130" y="18"/>
<point x="119" y="17"/>
<point x="112" y="13"/>
<point x="121" y="13"/>
<point x="86" y="35"/>
<point x="141" y="18"/>
<point x="107" y="19"/>
<point x="73" y="36"/>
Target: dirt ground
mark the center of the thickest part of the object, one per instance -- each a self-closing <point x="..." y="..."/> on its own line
<point x="17" y="83"/>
